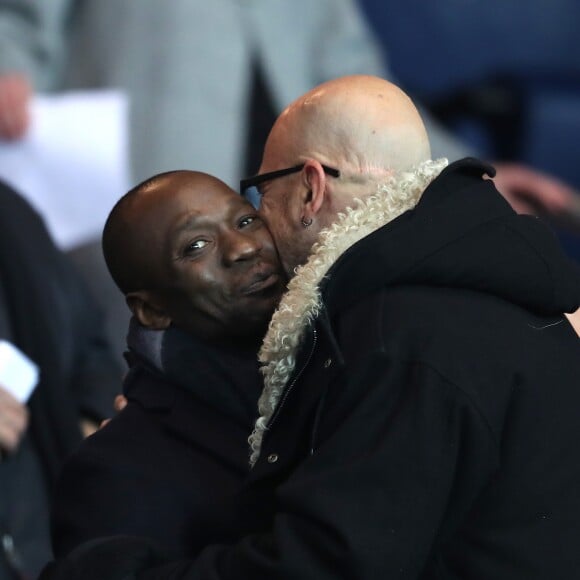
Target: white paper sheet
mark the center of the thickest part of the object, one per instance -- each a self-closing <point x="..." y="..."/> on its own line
<point x="18" y="374"/>
<point x="73" y="164"/>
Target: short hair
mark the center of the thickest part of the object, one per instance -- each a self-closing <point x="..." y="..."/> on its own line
<point x="119" y="243"/>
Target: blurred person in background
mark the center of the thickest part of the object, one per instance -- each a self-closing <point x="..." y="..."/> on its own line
<point x="192" y="69"/>
<point x="505" y="77"/>
<point x="47" y="313"/>
<point x="206" y="80"/>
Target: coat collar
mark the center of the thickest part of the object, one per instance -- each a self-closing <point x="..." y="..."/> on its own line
<point x="226" y="379"/>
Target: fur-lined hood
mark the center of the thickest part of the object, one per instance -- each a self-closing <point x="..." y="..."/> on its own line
<point x="301" y="304"/>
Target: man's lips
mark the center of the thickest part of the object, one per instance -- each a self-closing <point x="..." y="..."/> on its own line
<point x="261" y="281"/>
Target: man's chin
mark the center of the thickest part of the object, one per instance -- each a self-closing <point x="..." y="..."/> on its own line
<point x="264" y="298"/>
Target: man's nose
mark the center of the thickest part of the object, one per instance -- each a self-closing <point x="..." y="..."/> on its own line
<point x="239" y="247"/>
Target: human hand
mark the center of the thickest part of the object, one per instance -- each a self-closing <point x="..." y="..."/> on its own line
<point x="13" y="421"/>
<point x="532" y="192"/>
<point x="88" y="427"/>
<point x="15" y="94"/>
<point x="574" y="319"/>
<point x="119" y="404"/>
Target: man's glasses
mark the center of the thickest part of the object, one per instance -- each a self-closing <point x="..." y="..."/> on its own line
<point x="249" y="188"/>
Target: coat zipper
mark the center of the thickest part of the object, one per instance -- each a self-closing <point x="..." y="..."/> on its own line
<point x="294" y="381"/>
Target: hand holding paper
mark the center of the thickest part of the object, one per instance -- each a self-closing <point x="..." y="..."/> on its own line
<point x="18" y="374"/>
<point x="18" y="377"/>
<point x="13" y="421"/>
<point x="15" y="95"/>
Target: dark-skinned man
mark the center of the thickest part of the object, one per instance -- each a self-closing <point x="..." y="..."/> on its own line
<point x="201" y="275"/>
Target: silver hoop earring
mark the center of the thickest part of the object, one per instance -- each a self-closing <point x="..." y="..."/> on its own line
<point x="305" y="223"/>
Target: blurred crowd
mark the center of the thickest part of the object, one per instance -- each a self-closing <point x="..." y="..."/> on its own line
<point x="496" y="80"/>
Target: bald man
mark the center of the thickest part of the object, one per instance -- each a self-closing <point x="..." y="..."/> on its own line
<point x="420" y="412"/>
<point x="201" y="275"/>
<point x="435" y="371"/>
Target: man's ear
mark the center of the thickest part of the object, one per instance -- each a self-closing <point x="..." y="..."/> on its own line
<point x="146" y="311"/>
<point x="315" y="181"/>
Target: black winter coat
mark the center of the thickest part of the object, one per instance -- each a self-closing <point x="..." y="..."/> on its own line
<point x="167" y="467"/>
<point x="57" y="323"/>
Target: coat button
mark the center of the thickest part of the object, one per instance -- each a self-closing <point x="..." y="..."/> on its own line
<point x="327" y="363"/>
<point x="272" y="458"/>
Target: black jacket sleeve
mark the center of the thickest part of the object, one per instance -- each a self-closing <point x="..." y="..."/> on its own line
<point x="100" y="494"/>
<point x="117" y="483"/>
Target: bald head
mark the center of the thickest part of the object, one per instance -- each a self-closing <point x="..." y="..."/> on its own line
<point x="362" y="124"/>
<point x="361" y="129"/>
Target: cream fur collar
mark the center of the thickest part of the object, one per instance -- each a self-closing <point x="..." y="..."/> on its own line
<point x="302" y="302"/>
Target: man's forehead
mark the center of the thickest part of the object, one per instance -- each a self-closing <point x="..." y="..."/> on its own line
<point x="197" y="194"/>
<point x="276" y="150"/>
<point x="215" y="209"/>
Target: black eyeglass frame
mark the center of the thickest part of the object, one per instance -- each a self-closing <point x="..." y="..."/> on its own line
<point x="258" y="179"/>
